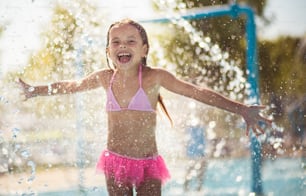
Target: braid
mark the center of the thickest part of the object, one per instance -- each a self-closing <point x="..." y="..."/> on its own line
<point x="164" y="109"/>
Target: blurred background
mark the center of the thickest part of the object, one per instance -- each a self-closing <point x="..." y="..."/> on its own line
<point x="49" y="145"/>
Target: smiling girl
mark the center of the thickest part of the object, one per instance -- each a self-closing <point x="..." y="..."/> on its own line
<point x="131" y="159"/>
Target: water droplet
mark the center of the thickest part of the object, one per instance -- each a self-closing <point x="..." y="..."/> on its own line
<point x="31" y="89"/>
<point x="1" y="140"/>
<point x="15" y="131"/>
<point x="33" y="168"/>
<point x="4" y="151"/>
<point x="238" y="178"/>
<point x="25" y="154"/>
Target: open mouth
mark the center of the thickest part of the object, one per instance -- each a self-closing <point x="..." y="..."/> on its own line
<point x="124" y="57"/>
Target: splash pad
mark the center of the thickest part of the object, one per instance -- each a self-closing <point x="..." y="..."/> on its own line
<point x="254" y="175"/>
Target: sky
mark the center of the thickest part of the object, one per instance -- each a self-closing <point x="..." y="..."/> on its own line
<point x="25" y="20"/>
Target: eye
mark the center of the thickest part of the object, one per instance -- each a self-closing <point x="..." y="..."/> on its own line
<point x="131" y="41"/>
<point x="115" y="42"/>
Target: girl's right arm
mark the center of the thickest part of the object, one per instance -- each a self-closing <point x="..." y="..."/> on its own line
<point x="251" y="114"/>
<point x="92" y="81"/>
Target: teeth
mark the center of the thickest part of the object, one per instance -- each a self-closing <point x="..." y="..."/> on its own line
<point x="124" y="57"/>
<point x="124" y="54"/>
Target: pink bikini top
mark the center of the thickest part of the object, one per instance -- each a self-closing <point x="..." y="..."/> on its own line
<point x="139" y="102"/>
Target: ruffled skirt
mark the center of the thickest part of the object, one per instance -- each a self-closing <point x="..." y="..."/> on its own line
<point x="132" y="171"/>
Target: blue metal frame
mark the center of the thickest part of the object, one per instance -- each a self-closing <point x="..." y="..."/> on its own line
<point x="235" y="10"/>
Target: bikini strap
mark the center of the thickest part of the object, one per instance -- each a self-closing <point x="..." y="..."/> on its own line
<point x="140" y="75"/>
<point x="112" y="79"/>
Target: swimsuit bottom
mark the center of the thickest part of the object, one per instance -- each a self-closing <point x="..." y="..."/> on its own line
<point x="132" y="171"/>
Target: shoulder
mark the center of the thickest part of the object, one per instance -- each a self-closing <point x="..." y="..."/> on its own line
<point x="102" y="75"/>
<point x="105" y="72"/>
<point x="170" y="82"/>
<point x="158" y="74"/>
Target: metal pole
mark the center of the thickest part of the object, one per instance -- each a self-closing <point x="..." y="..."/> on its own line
<point x="251" y="58"/>
<point x="252" y="68"/>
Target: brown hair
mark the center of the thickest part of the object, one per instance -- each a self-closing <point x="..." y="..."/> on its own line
<point x="145" y="40"/>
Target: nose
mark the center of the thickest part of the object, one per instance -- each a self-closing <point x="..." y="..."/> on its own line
<point x="122" y="45"/>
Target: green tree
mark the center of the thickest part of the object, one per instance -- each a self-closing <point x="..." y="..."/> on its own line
<point x="281" y="76"/>
<point x="68" y="52"/>
<point x="229" y="35"/>
<point x="282" y="73"/>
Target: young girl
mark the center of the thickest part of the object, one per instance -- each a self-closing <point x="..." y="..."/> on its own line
<point x="131" y="159"/>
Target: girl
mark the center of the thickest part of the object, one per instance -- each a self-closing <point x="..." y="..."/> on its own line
<point x="131" y="159"/>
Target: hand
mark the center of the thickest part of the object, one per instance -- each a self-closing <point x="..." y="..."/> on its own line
<point x="253" y="119"/>
<point x="27" y="90"/>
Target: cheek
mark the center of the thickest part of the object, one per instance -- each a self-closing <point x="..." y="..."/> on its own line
<point x="145" y="51"/>
<point x="110" y="53"/>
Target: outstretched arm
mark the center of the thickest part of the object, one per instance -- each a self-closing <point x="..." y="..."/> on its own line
<point x="251" y="114"/>
<point x="92" y="81"/>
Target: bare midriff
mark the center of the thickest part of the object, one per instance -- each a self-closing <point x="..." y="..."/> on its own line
<point x="134" y="136"/>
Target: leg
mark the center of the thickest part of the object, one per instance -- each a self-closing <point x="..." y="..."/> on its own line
<point x="150" y="187"/>
<point x="115" y="189"/>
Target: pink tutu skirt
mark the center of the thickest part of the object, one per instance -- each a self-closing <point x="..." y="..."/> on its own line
<point x="132" y="171"/>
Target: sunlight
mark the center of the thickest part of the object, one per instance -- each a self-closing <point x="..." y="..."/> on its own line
<point x="118" y="9"/>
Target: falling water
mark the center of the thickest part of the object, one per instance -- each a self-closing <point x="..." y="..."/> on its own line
<point x="50" y="143"/>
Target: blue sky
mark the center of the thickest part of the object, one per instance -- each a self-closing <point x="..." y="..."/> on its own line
<point x="24" y="20"/>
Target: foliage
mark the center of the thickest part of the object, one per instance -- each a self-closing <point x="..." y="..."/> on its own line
<point x="49" y="60"/>
<point x="67" y="53"/>
<point x="64" y="43"/>
<point x="227" y="32"/>
<point x="282" y="72"/>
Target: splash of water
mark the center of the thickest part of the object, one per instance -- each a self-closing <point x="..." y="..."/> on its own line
<point x="91" y="44"/>
<point x="206" y="51"/>
<point x="237" y="86"/>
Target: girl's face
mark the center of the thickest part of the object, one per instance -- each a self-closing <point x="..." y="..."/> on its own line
<point x="126" y="48"/>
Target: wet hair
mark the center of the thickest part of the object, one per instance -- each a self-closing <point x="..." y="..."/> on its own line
<point x="144" y="37"/>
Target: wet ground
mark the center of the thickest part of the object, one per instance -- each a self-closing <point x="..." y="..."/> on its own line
<point x="226" y="177"/>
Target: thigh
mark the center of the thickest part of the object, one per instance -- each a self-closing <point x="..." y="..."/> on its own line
<point x="150" y="187"/>
<point x="115" y="189"/>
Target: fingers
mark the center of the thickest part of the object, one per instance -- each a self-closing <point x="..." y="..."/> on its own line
<point x="266" y="120"/>
<point x="255" y="120"/>
<point x="22" y="83"/>
<point x="261" y="131"/>
<point x="247" y="130"/>
<point x="256" y="129"/>
<point x="23" y="96"/>
<point x="25" y="87"/>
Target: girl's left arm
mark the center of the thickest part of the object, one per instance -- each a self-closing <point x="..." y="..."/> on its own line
<point x="251" y="114"/>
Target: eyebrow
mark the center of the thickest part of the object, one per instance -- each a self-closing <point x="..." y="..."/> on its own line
<point x="131" y="36"/>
